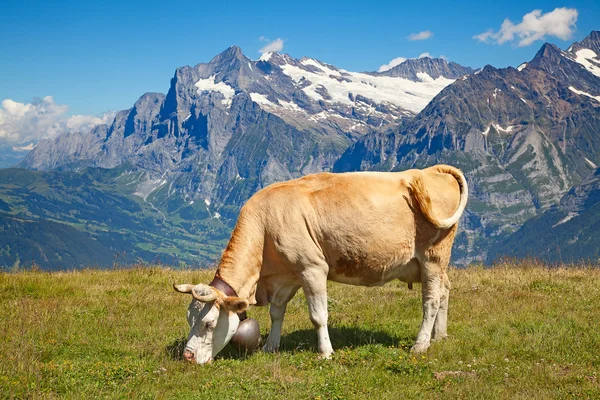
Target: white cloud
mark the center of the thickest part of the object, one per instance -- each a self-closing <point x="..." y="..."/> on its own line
<point x="534" y="26"/>
<point x="426" y="54"/>
<point x="275" y="45"/>
<point x="41" y="119"/>
<point x="420" y="36"/>
<point x="392" y="64"/>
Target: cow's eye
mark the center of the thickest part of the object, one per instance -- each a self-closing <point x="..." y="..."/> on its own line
<point x="209" y="325"/>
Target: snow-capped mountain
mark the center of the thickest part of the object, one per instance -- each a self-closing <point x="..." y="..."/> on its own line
<point x="237" y="122"/>
<point x="308" y="90"/>
<point x="523" y="136"/>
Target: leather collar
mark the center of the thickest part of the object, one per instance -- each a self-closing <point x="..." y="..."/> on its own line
<point x="224" y="287"/>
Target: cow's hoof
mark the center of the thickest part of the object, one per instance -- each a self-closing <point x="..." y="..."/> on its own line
<point x="270" y="348"/>
<point x="325" y="356"/>
<point x="419" y="348"/>
<point x="440" y="337"/>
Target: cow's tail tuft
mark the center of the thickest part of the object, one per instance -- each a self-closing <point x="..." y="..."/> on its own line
<point x="422" y="196"/>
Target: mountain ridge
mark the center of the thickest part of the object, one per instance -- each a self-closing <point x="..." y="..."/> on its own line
<point x="523" y="136"/>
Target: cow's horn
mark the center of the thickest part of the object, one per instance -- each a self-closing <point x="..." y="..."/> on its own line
<point x="183" y="288"/>
<point x="206" y="298"/>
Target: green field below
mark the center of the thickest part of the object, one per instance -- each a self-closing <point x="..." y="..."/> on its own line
<point x="516" y="331"/>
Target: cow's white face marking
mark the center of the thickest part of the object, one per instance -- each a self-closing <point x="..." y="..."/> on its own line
<point x="211" y="328"/>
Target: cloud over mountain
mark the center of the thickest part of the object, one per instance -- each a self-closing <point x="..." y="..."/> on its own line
<point x="275" y="45"/>
<point x="392" y="64"/>
<point x="535" y="26"/>
<point x="41" y="119"/>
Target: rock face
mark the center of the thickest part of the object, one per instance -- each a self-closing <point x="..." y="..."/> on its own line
<point x="415" y="68"/>
<point x="523" y="136"/>
<point x="231" y="126"/>
<point x="567" y="232"/>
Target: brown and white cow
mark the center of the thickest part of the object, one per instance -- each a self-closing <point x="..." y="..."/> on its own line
<point x="360" y="228"/>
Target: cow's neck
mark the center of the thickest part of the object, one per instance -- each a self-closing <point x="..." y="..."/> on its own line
<point x="236" y="282"/>
<point x="224" y="287"/>
<point x="241" y="262"/>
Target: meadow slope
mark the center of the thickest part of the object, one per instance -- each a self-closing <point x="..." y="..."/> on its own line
<point x="516" y="331"/>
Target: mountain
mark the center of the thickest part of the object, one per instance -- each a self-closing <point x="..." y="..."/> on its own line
<point x="523" y="137"/>
<point x="567" y="232"/>
<point x="93" y="217"/>
<point x="426" y="68"/>
<point x="231" y="126"/>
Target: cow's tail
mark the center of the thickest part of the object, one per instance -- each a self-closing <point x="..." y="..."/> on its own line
<point x="422" y="196"/>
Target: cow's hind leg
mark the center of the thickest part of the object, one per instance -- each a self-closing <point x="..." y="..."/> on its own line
<point x="279" y="302"/>
<point x="435" y="290"/>
<point x="314" y="284"/>
<point x="431" y="289"/>
<point x="440" y="327"/>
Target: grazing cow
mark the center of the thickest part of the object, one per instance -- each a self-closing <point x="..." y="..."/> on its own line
<point x="360" y="228"/>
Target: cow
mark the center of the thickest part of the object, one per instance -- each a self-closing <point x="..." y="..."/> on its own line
<point x="358" y="228"/>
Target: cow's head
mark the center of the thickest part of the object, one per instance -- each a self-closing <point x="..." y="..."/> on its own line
<point x="213" y="319"/>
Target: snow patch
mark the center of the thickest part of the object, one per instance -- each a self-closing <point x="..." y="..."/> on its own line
<point x="413" y="96"/>
<point x="581" y="92"/>
<point x="216" y="215"/>
<point x="484" y="133"/>
<point x="590" y="163"/>
<point x="569" y="216"/>
<point x="521" y="67"/>
<point x="501" y="129"/>
<point x="289" y="105"/>
<point x="584" y="56"/>
<point x="424" y="77"/>
<point x="207" y="202"/>
<point x="325" y="115"/>
<point x="261" y="99"/>
<point x="209" y="85"/>
<point x="266" y="56"/>
<point x="523" y="100"/>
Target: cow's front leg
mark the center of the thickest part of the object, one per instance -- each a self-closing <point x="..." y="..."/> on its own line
<point x="432" y="291"/>
<point x="279" y="302"/>
<point x="315" y="289"/>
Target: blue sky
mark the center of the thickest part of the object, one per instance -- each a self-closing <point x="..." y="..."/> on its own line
<point x="97" y="56"/>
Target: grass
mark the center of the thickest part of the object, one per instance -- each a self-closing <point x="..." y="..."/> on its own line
<point x="516" y="331"/>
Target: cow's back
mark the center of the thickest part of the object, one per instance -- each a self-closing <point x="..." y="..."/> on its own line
<point x="362" y="225"/>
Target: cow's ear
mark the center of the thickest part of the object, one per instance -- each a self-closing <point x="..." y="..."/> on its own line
<point x="235" y="304"/>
